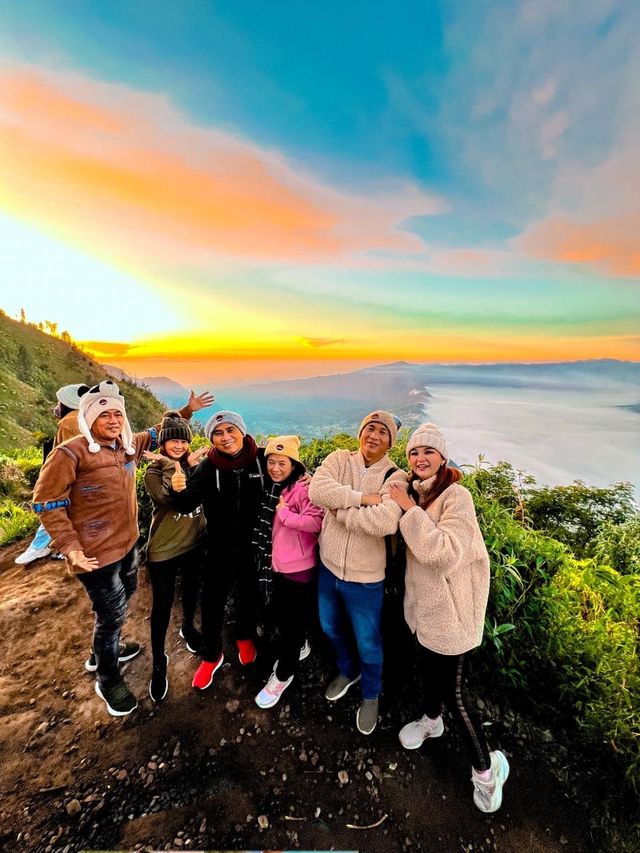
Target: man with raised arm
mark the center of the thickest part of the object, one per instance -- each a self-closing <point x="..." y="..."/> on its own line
<point x="86" y="499"/>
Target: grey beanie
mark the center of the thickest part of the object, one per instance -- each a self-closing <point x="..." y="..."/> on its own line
<point x="224" y="417"/>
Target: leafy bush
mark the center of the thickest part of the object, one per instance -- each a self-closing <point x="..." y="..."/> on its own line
<point x="619" y="545"/>
<point x="576" y="514"/>
<point x="590" y="617"/>
<point x="15" y="521"/>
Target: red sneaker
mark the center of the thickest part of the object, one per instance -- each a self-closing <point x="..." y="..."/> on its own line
<point x="205" y="672"/>
<point x="246" y="651"/>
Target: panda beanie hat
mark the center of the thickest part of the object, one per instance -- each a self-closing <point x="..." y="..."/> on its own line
<point x="100" y="399"/>
<point x="70" y="395"/>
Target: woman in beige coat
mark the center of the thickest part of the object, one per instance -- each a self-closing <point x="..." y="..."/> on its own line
<point x="446" y="591"/>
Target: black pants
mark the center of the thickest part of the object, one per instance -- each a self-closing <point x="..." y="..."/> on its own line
<point x="109" y="589"/>
<point x="443" y="683"/>
<point x="292" y="608"/>
<point x="163" y="584"/>
<point x="226" y="571"/>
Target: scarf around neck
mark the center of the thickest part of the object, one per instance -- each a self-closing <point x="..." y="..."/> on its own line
<point x="224" y="462"/>
<point x="262" y="539"/>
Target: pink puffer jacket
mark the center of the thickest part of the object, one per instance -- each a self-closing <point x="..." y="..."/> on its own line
<point x="295" y="531"/>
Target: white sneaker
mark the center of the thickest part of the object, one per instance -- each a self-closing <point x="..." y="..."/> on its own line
<point x="272" y="691"/>
<point x="32" y="554"/>
<point x="488" y="795"/>
<point x="305" y="651"/>
<point x="414" y="734"/>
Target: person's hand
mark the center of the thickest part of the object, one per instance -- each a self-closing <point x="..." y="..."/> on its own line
<point x="201" y="401"/>
<point x="178" y="479"/>
<point x="400" y="496"/>
<point x="370" y="500"/>
<point x="81" y="563"/>
<point x="282" y="504"/>
<point x="305" y="479"/>
<point x="152" y="456"/>
<point x="196" y="456"/>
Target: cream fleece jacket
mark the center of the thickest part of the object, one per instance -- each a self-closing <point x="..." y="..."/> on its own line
<point x="447" y="579"/>
<point x="352" y="536"/>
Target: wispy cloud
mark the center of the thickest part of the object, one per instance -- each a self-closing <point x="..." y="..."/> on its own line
<point x="125" y="166"/>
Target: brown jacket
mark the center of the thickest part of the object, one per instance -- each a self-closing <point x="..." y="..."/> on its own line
<point x="67" y="428"/>
<point x="87" y="501"/>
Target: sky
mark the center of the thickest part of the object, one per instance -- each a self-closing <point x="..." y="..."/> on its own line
<point x="233" y="191"/>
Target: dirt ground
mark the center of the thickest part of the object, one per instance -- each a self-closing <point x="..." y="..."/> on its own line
<point x="213" y="771"/>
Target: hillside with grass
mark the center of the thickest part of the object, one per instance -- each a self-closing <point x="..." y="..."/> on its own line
<point x="33" y="365"/>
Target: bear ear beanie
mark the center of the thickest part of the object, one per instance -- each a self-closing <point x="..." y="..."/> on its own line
<point x="102" y="398"/>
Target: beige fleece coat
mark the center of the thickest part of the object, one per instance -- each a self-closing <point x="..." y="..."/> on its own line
<point x="447" y="579"/>
<point x="352" y="536"/>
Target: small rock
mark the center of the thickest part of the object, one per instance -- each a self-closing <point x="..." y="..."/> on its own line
<point x="547" y="736"/>
<point x="176" y="751"/>
<point x="178" y="842"/>
<point x="152" y="765"/>
<point x="232" y="705"/>
<point x="263" y="821"/>
<point x="343" y="777"/>
<point x="73" y="808"/>
<point x="480" y="704"/>
<point x="203" y="826"/>
<point x="121" y="775"/>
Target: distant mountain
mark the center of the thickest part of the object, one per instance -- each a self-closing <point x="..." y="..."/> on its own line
<point x="170" y="393"/>
<point x="321" y="405"/>
<point x="33" y="365"/>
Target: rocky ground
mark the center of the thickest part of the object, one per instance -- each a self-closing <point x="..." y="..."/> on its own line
<point x="213" y="771"/>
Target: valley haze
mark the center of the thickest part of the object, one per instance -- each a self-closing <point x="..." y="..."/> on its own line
<point x="558" y="421"/>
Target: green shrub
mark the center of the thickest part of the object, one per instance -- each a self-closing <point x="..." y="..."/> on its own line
<point x="619" y="545"/>
<point x="16" y="521"/>
<point x="590" y="618"/>
<point x="576" y="514"/>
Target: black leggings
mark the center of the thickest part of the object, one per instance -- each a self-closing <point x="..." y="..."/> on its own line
<point x="293" y="609"/>
<point x="443" y="682"/>
<point x="163" y="584"/>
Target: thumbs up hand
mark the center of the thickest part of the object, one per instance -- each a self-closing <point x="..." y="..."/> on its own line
<point x="178" y="479"/>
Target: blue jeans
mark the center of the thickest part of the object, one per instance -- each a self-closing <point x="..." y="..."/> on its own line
<point x="350" y="617"/>
<point x="109" y="589"/>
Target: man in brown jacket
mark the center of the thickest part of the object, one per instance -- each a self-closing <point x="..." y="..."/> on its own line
<point x="66" y="413"/>
<point x="86" y="498"/>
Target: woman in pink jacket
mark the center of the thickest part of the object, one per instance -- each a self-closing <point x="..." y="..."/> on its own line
<point x="286" y="543"/>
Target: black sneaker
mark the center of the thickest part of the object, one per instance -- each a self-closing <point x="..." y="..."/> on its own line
<point x="119" y="700"/>
<point x="159" y="684"/>
<point x="127" y="651"/>
<point x="192" y="639"/>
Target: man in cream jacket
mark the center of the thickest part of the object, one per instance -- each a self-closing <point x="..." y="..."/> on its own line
<point x="354" y="489"/>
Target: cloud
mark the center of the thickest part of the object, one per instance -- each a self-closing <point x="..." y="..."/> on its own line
<point x="122" y="171"/>
<point x="530" y="137"/>
<point x="319" y="343"/>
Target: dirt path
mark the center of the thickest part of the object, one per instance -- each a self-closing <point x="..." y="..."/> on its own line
<point x="199" y="771"/>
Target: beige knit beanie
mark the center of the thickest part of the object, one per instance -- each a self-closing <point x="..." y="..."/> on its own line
<point x="428" y="435"/>
<point x="287" y="445"/>
<point x="386" y="419"/>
